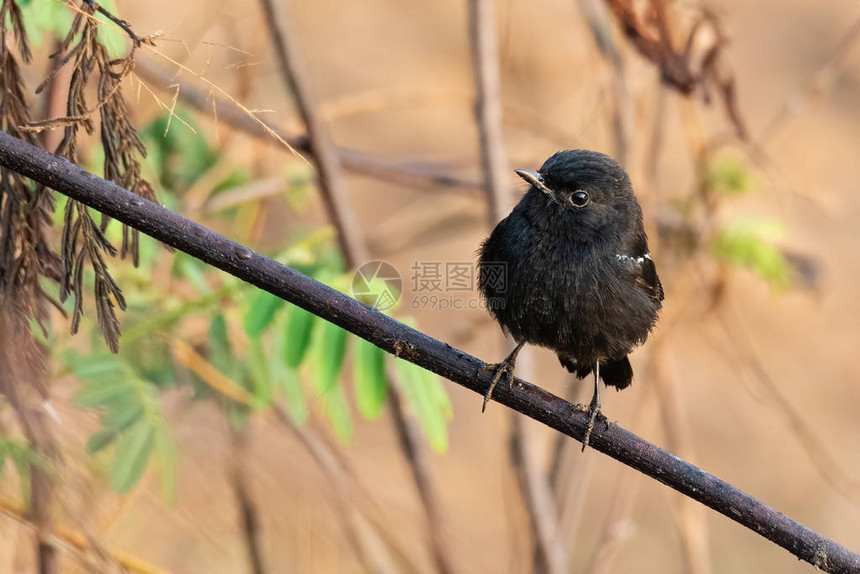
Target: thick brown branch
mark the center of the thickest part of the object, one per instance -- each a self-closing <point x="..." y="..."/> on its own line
<point x="416" y="347"/>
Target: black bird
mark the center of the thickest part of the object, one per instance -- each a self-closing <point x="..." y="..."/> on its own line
<point x="569" y="269"/>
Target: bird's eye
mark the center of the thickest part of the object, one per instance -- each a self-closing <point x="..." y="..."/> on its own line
<point x="579" y="199"/>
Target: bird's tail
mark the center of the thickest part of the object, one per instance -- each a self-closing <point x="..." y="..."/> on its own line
<point x="615" y="372"/>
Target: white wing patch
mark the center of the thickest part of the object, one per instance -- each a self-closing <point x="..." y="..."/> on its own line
<point x="634" y="260"/>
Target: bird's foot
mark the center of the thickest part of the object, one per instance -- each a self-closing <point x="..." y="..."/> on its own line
<point x="594" y="414"/>
<point x="499" y="369"/>
<point x="506" y="366"/>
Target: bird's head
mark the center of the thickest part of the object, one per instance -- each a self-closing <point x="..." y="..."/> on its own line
<point x="584" y="189"/>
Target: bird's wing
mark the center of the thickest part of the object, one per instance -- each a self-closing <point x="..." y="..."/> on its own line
<point x="643" y="269"/>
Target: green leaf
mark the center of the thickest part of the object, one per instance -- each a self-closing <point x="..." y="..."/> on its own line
<point x="438" y="397"/>
<point x="300" y="192"/>
<point x="258" y="364"/>
<point x="300" y="326"/>
<point x="151" y="360"/>
<point x="220" y="351"/>
<point x="236" y="178"/>
<point x="183" y="153"/>
<point x="746" y="245"/>
<point x="423" y="400"/>
<point x="192" y="269"/>
<point x="52" y="17"/>
<point x="166" y="455"/>
<point x="167" y="321"/>
<point x="238" y="416"/>
<point x="329" y="351"/>
<point x="131" y="456"/>
<point x="729" y="177"/>
<point x="123" y="413"/>
<point x="112" y="37"/>
<point x="287" y="379"/>
<point x="371" y="382"/>
<point x="337" y="411"/>
<point x="101" y="367"/>
<point x="100" y="440"/>
<point x="294" y="395"/>
<point x="24" y="458"/>
<point x="102" y="393"/>
<point x="24" y="468"/>
<point x="262" y="312"/>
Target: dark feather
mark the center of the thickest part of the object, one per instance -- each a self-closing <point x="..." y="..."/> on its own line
<point x="616" y="373"/>
<point x="645" y="275"/>
<point x="576" y="278"/>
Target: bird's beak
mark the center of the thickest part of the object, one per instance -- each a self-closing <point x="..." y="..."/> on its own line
<point x="533" y="178"/>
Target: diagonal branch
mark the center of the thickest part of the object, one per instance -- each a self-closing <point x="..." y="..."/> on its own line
<point x="322" y="153"/>
<point x="416" y="347"/>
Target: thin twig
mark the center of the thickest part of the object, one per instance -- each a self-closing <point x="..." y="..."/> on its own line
<point x="537" y="494"/>
<point x="125" y="26"/>
<point x="569" y="477"/>
<point x="488" y="106"/>
<point x="249" y="517"/>
<point x="818" y="84"/>
<point x="322" y="153"/>
<point x="549" y="552"/>
<point x="414" y="346"/>
<point x="623" y="499"/>
<point x="622" y="104"/>
<point x="362" y="535"/>
<point x="358" y="530"/>
<point x="22" y="365"/>
<point x="692" y="523"/>
<point x="354" y="160"/>
<point x="325" y="156"/>
<point x="416" y="452"/>
<point x="743" y="346"/>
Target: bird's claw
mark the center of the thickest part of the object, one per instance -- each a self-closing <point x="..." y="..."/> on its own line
<point x="506" y="366"/>
<point x="594" y="416"/>
<point x="499" y="369"/>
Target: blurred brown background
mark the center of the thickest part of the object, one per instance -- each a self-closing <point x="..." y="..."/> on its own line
<point x="394" y="78"/>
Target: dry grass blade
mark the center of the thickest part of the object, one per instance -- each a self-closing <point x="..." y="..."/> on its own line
<point x="83" y="240"/>
<point x="25" y="212"/>
<point x="121" y="142"/>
